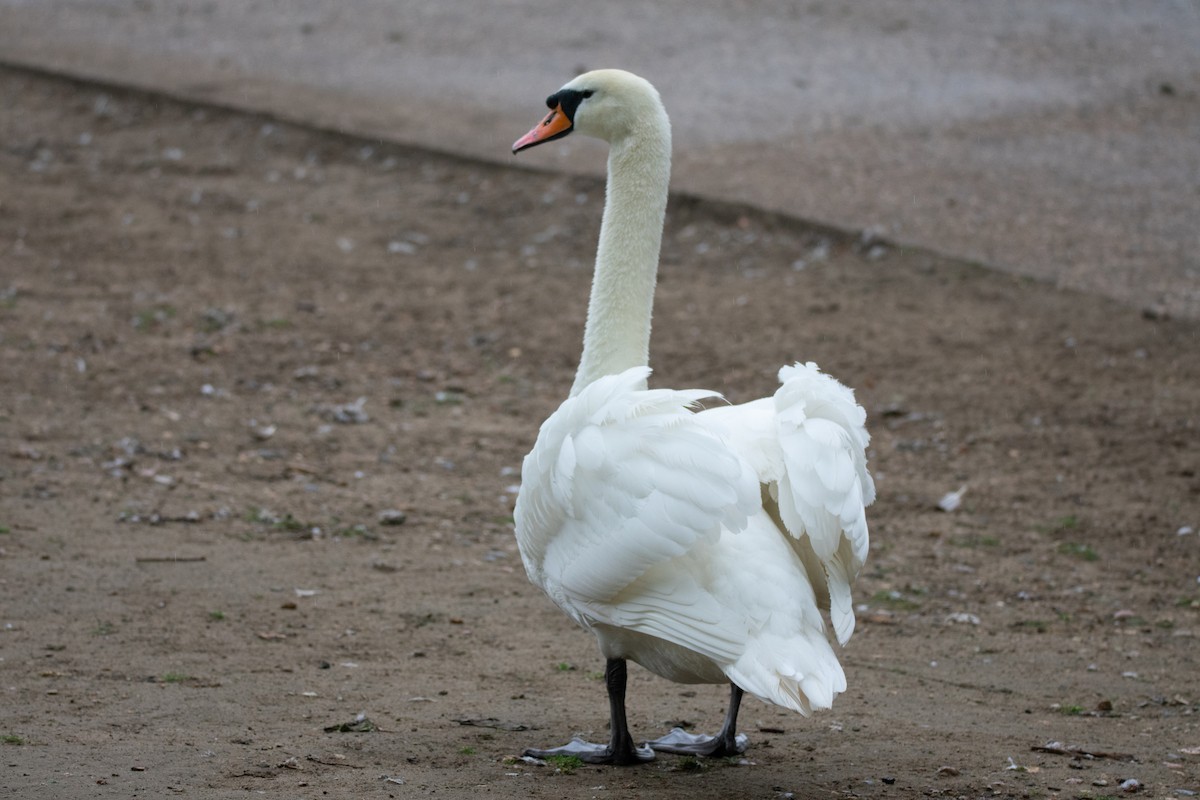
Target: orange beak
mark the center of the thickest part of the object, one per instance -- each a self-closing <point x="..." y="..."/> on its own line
<point x="554" y="126"/>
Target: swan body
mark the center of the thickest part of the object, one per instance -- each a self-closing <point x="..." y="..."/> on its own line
<point x="703" y="545"/>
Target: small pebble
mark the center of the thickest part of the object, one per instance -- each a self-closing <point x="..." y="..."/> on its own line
<point x="264" y="432"/>
<point x="392" y="516"/>
<point x="350" y="413"/>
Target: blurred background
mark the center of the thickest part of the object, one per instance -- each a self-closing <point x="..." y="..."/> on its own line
<point x="1059" y="140"/>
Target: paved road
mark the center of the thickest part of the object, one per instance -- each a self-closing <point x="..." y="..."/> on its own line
<point x="1059" y="139"/>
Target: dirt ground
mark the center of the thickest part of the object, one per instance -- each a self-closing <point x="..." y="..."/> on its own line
<point x="266" y="392"/>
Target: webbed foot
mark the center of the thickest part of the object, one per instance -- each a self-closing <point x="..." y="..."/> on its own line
<point x="591" y="753"/>
<point x="691" y="744"/>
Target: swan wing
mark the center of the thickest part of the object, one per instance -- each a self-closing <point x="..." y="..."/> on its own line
<point x="621" y="483"/>
<point x="808" y="445"/>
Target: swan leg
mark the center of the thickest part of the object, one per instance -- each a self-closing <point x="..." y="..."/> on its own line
<point x="620" y="751"/>
<point x="727" y="742"/>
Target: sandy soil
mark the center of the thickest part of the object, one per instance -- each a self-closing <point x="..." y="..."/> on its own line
<point x="229" y="345"/>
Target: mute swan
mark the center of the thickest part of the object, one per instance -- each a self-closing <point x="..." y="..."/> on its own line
<point x="702" y="546"/>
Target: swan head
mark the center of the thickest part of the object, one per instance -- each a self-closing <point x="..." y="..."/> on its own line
<point x="608" y="104"/>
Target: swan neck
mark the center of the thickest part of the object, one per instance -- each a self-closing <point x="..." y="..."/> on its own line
<point x="617" y="334"/>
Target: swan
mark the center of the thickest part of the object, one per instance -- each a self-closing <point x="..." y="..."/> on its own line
<point x="701" y="544"/>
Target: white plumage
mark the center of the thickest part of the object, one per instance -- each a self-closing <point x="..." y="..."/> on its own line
<point x="702" y="545"/>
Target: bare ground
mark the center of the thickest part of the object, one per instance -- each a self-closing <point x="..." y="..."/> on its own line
<point x="197" y="584"/>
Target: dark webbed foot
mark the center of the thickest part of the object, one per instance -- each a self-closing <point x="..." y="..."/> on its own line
<point x="727" y="742"/>
<point x="691" y="744"/>
<point x="591" y="753"/>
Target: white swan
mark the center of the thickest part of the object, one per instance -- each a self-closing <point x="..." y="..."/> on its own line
<point x="704" y="545"/>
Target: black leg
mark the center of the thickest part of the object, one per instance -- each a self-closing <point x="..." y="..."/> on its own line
<point x="727" y="742"/>
<point x="620" y="750"/>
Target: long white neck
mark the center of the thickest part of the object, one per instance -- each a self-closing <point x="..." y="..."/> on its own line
<point x="617" y="334"/>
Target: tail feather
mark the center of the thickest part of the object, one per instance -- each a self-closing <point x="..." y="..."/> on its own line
<point x="800" y="672"/>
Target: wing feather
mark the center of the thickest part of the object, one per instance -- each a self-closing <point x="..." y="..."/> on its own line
<point x="635" y="483"/>
<point x="808" y="444"/>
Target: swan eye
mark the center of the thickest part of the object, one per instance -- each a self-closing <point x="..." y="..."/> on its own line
<point x="568" y="100"/>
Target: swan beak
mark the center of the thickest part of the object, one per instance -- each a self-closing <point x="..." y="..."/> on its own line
<point x="556" y="125"/>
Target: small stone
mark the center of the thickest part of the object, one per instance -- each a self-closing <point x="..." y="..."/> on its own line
<point x="948" y="771"/>
<point x="349" y="413"/>
<point x="264" y="432"/>
<point x="392" y="516"/>
<point x="1156" y="312"/>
